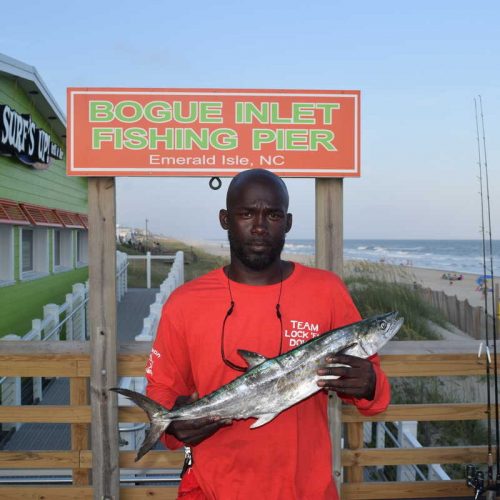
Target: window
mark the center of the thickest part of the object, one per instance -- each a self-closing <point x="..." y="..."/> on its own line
<point x="82" y="245"/>
<point x="57" y="248"/>
<point x="6" y="254"/>
<point x="27" y="254"/>
<point x="63" y="250"/>
<point x="34" y="254"/>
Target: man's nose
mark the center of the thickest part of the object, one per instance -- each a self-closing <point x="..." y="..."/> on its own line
<point x="259" y="224"/>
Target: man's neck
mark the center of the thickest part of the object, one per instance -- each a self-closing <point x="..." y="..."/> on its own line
<point x="274" y="273"/>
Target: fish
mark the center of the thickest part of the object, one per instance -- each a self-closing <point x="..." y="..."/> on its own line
<point x="271" y="385"/>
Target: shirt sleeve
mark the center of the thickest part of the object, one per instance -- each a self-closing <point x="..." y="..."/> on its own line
<point x="168" y="371"/>
<point x="382" y="396"/>
<point x="345" y="314"/>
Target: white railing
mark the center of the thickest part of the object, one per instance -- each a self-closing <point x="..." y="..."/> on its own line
<point x="73" y="315"/>
<point x="174" y="279"/>
<point x="406" y="437"/>
<point x="148" y="258"/>
<point x="132" y="435"/>
<point x="121" y="274"/>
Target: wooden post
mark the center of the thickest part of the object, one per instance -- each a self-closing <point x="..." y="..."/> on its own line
<point x="78" y="395"/>
<point x="102" y="312"/>
<point x="354" y="474"/>
<point x="329" y="225"/>
<point x="329" y="255"/>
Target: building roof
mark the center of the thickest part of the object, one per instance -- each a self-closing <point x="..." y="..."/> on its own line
<point x="31" y="82"/>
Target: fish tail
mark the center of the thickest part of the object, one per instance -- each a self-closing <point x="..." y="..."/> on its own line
<point x="157" y="427"/>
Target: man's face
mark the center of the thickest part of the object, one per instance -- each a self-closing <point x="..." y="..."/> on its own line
<point x="256" y="221"/>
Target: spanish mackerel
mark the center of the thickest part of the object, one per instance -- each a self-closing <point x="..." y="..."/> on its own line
<point x="270" y="386"/>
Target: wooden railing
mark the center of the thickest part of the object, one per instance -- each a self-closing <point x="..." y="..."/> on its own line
<point x="72" y="360"/>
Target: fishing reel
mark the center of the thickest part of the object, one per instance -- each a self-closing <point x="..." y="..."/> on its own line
<point x="475" y="479"/>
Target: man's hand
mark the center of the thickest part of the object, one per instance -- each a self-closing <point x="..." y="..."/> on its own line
<point x="193" y="432"/>
<point x="357" y="379"/>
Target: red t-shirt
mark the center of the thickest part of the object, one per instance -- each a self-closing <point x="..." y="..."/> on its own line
<point x="290" y="457"/>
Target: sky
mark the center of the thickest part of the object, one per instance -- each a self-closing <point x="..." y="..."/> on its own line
<point x="418" y="66"/>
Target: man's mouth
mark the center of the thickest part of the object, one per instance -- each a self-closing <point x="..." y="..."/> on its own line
<point x="258" y="245"/>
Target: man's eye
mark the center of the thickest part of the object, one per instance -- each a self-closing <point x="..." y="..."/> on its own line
<point x="275" y="215"/>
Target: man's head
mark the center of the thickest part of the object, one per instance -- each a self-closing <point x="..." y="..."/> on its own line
<point x="256" y="218"/>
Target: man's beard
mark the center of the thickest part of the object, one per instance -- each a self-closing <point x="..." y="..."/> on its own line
<point x="252" y="260"/>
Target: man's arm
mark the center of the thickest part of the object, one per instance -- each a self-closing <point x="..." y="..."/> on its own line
<point x="362" y="382"/>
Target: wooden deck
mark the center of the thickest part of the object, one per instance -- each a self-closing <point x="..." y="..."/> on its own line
<point x="132" y="309"/>
<point x="399" y="359"/>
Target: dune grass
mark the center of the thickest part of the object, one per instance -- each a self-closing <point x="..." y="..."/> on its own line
<point x="379" y="288"/>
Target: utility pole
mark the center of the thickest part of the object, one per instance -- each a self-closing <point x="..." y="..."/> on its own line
<point x="146" y="236"/>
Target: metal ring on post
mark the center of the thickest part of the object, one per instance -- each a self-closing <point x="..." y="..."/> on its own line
<point x="215" y="183"/>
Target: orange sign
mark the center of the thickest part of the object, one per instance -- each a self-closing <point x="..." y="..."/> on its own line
<point x="202" y="132"/>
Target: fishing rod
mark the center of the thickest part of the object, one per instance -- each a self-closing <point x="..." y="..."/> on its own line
<point x="493" y="301"/>
<point x="475" y="478"/>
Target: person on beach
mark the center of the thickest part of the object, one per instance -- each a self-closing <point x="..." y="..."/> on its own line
<point x="264" y="304"/>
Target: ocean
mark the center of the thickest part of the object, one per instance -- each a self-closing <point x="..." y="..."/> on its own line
<point x="462" y="256"/>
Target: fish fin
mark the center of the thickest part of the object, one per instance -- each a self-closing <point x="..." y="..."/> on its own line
<point x="154" y="433"/>
<point x="263" y="419"/>
<point x="253" y="359"/>
<point x="152" y="408"/>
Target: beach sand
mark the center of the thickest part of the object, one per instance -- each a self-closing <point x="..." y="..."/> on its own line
<point x="465" y="288"/>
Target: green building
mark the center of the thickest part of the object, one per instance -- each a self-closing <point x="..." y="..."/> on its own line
<point x="43" y="212"/>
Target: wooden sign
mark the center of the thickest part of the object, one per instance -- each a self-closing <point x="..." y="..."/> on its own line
<point x="220" y="132"/>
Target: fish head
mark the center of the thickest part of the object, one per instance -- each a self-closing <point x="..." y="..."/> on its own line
<point x="376" y="331"/>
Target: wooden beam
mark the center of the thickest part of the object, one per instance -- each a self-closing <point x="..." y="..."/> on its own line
<point x="53" y="414"/>
<point x="329" y="255"/>
<point x="82" y="414"/>
<point x="103" y="338"/>
<point x="421" y="412"/>
<point x="406" y="456"/>
<point x="79" y="395"/>
<point x="155" y="459"/>
<point x="45" y="492"/>
<point x="38" y="460"/>
<point x="399" y="490"/>
<point x="84" y="493"/>
<point x="148" y="492"/>
<point x="72" y="358"/>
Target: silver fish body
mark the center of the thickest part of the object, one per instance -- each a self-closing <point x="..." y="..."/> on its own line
<point x="270" y="386"/>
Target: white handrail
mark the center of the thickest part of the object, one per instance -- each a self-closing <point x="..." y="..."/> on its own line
<point x="174" y="279"/>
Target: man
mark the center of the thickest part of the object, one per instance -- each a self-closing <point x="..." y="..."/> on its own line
<point x="264" y="304"/>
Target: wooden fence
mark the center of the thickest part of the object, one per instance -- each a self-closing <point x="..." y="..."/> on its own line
<point x="71" y="359"/>
<point x="469" y="319"/>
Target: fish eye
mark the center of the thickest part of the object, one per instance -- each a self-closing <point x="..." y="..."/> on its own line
<point x="383" y="325"/>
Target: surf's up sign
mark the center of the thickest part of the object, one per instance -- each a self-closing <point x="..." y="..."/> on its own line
<point x="201" y="132"/>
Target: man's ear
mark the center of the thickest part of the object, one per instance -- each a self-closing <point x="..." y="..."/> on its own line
<point x="288" y="222"/>
<point x="223" y="219"/>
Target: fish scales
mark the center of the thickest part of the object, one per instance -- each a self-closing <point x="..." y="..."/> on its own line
<point x="271" y="386"/>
